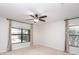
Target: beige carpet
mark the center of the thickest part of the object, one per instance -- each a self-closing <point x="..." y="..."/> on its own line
<point x="35" y="50"/>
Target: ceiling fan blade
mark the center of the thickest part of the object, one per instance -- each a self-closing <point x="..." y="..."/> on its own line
<point x="42" y="20"/>
<point x="32" y="16"/>
<point x="43" y="16"/>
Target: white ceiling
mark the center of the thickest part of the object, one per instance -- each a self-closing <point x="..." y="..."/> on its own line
<point x="54" y="11"/>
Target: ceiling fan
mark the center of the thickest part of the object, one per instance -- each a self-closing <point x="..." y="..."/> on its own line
<point x="37" y="17"/>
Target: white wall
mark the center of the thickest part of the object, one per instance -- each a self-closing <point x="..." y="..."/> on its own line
<point x="52" y="34"/>
<point x="35" y="34"/>
<point x="3" y="34"/>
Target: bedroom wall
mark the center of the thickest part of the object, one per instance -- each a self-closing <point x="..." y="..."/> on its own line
<point x="52" y="34"/>
<point x="35" y="34"/>
<point x="3" y="34"/>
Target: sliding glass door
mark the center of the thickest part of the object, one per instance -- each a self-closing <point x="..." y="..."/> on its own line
<point x="73" y="36"/>
<point x="20" y="38"/>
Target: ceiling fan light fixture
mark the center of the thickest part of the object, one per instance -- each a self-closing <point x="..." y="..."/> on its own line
<point x="36" y="20"/>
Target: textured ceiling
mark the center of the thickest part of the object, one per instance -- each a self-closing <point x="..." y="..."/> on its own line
<point x="54" y="11"/>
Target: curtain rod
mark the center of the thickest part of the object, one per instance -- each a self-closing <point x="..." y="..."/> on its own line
<point x="18" y="21"/>
<point x="71" y="18"/>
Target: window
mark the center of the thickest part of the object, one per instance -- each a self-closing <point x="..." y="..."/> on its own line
<point x="74" y="36"/>
<point x="20" y="35"/>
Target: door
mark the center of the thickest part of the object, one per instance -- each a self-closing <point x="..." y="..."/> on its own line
<point x="73" y="36"/>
